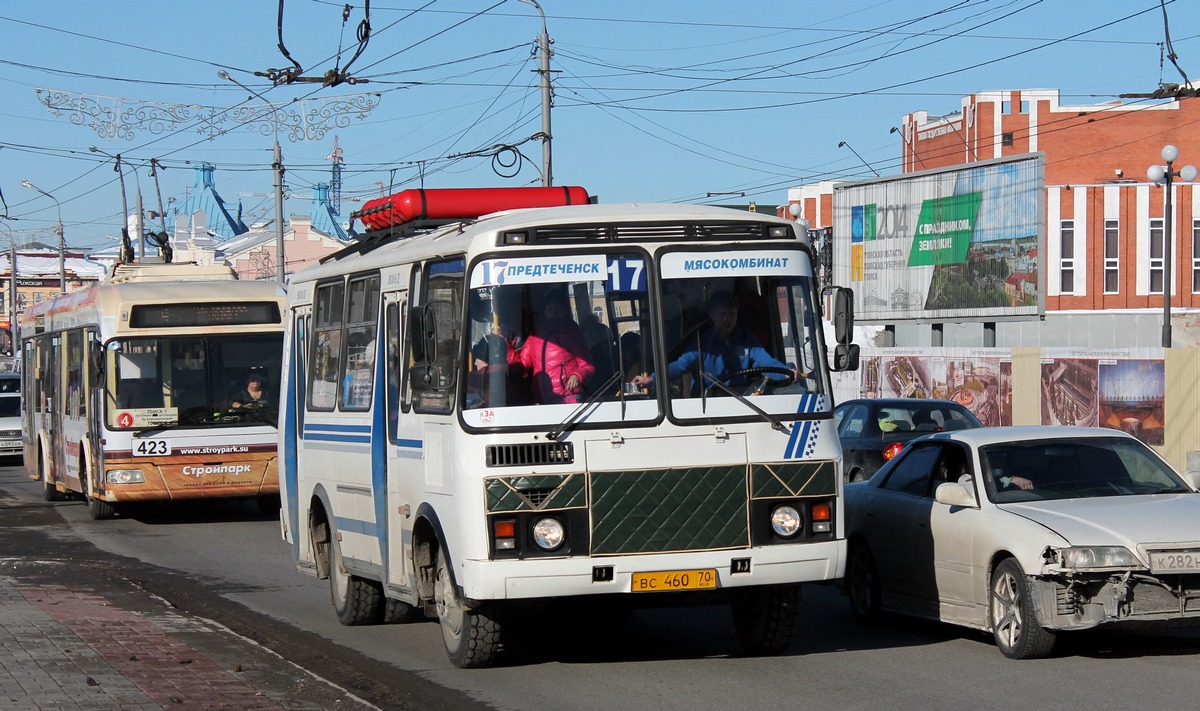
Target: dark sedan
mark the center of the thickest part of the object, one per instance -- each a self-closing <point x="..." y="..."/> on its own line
<point x="872" y="431"/>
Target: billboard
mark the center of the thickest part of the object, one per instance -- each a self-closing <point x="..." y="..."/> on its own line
<point x="954" y="244"/>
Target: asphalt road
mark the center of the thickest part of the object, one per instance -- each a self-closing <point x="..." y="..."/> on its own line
<point x="227" y="563"/>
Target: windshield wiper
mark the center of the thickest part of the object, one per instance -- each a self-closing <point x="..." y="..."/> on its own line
<point x="579" y="410"/>
<point x="775" y="423"/>
<point x="156" y="430"/>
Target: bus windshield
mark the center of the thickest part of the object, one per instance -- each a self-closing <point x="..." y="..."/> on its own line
<point x="193" y="381"/>
<point x="535" y="340"/>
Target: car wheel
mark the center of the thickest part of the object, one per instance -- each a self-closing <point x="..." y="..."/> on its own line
<point x="765" y="617"/>
<point x="862" y="585"/>
<point x="471" y="636"/>
<point x="357" y="601"/>
<point x="1014" y="622"/>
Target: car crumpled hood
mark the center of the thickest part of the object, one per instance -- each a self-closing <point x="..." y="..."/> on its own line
<point x="1117" y="520"/>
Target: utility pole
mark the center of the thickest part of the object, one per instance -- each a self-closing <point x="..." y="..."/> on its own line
<point x="62" y="265"/>
<point x="544" y="71"/>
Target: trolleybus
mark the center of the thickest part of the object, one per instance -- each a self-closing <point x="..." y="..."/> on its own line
<point x="526" y="405"/>
<point x="133" y="388"/>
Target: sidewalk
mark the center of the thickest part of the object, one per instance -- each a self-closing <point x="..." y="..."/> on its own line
<point x="74" y="637"/>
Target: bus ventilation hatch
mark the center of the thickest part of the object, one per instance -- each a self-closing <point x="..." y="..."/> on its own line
<point x="519" y="455"/>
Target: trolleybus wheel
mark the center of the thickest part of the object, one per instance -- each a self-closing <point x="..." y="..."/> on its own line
<point x="98" y="509"/>
<point x="357" y="601"/>
<point x="50" y="492"/>
<point x="765" y="617"/>
<point x="472" y="637"/>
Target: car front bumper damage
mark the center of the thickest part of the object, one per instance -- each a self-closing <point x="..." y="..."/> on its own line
<point x="1080" y="601"/>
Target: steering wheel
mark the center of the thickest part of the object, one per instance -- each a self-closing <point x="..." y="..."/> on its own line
<point x="762" y="370"/>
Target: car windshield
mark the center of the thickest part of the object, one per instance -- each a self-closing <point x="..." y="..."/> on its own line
<point x="194" y="381"/>
<point x="1071" y="469"/>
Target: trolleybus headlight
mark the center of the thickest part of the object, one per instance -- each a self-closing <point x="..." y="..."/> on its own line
<point x="125" y="476"/>
<point x="786" y="521"/>
<point x="548" y="534"/>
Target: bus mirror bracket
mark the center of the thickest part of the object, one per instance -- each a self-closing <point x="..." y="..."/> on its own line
<point x="425" y="377"/>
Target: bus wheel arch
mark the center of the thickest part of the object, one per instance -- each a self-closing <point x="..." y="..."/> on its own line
<point x="319" y="534"/>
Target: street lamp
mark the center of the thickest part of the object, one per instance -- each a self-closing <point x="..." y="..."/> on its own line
<point x="847" y="145"/>
<point x="280" y="273"/>
<point x="1162" y="175"/>
<point x="63" y="266"/>
<point x="896" y="129"/>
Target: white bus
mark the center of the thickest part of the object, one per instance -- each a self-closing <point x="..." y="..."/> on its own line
<point x="456" y="445"/>
<point x="133" y="388"/>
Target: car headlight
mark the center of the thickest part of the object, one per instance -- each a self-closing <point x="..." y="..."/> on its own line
<point x="125" y="476"/>
<point x="786" y="521"/>
<point x="548" y="534"/>
<point x="1081" y="557"/>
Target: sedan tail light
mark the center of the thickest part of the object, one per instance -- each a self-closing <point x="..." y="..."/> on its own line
<point x="892" y="450"/>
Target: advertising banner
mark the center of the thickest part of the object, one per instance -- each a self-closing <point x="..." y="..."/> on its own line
<point x="960" y="244"/>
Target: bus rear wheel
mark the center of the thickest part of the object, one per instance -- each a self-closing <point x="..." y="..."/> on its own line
<point x="472" y="637"/>
<point x="765" y="617"/>
<point x="357" y="601"/>
<point x="50" y="492"/>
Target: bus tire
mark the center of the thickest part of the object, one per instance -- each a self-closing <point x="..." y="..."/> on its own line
<point x="765" y="617"/>
<point x="472" y="637"/>
<point x="99" y="509"/>
<point x="357" y="601"/>
<point x="396" y="612"/>
<point x="50" y="492"/>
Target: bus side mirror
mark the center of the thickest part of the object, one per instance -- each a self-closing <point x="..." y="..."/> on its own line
<point x="843" y="314"/>
<point x="423" y="327"/>
<point x="845" y="357"/>
<point x="425" y="377"/>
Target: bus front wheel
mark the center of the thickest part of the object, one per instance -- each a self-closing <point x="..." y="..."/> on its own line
<point x="98" y="509"/>
<point x="765" y="617"/>
<point x="472" y="637"/>
<point x="357" y="601"/>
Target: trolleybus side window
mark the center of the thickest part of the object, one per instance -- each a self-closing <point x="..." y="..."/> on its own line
<point x="362" y="323"/>
<point x="75" y="365"/>
<point x="392" y="330"/>
<point x="327" y="346"/>
<point x="436" y="337"/>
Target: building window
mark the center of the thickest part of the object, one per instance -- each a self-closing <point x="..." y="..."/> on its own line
<point x="1196" y="256"/>
<point x="1005" y="107"/>
<point x="1066" y="240"/>
<point x="1112" y="254"/>
<point x="1024" y="107"/>
<point x="1006" y="138"/>
<point x="1156" y="255"/>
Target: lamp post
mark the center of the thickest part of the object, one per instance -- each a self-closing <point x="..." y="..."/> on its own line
<point x="544" y="71"/>
<point x="280" y="270"/>
<point x="911" y="149"/>
<point x="1163" y="175"/>
<point x="62" y="263"/>
<point x="847" y="145"/>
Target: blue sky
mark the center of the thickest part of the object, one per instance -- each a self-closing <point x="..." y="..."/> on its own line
<point x="654" y="101"/>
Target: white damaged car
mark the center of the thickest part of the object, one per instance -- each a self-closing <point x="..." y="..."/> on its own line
<point x="1025" y="532"/>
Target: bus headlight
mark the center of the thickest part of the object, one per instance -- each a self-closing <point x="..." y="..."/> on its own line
<point x="786" y="521"/>
<point x="548" y="534"/>
<point x="124" y="476"/>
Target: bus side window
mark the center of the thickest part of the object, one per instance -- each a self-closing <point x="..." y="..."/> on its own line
<point x="435" y="338"/>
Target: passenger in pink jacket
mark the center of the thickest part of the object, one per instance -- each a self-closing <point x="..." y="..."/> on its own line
<point x="555" y="355"/>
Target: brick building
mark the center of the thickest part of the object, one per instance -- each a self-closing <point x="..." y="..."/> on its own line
<point x="1105" y="221"/>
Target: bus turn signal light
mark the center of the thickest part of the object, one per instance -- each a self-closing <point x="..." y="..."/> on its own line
<point x="506" y="534"/>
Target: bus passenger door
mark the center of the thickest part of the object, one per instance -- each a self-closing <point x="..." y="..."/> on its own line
<point x="400" y="465"/>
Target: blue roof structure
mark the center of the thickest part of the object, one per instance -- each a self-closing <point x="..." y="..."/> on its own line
<point x="325" y="217"/>
<point x="204" y="196"/>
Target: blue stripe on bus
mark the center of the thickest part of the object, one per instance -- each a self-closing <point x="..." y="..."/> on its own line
<point x="290" y="474"/>
<point x="379" y="453"/>
<point x="410" y="443"/>
<point x="803" y="439"/>
<point x="325" y="427"/>
<point x="352" y="525"/>
<point x="348" y="439"/>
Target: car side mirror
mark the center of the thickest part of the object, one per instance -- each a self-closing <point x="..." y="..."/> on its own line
<point x="953" y="494"/>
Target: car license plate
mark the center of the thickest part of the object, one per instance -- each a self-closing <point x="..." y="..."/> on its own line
<point x="1187" y="561"/>
<point x="10" y="444"/>
<point x="673" y="580"/>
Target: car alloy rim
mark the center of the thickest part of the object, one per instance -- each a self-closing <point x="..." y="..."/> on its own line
<point x="1006" y="610"/>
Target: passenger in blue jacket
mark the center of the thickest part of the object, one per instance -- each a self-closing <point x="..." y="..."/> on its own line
<point x="726" y="350"/>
